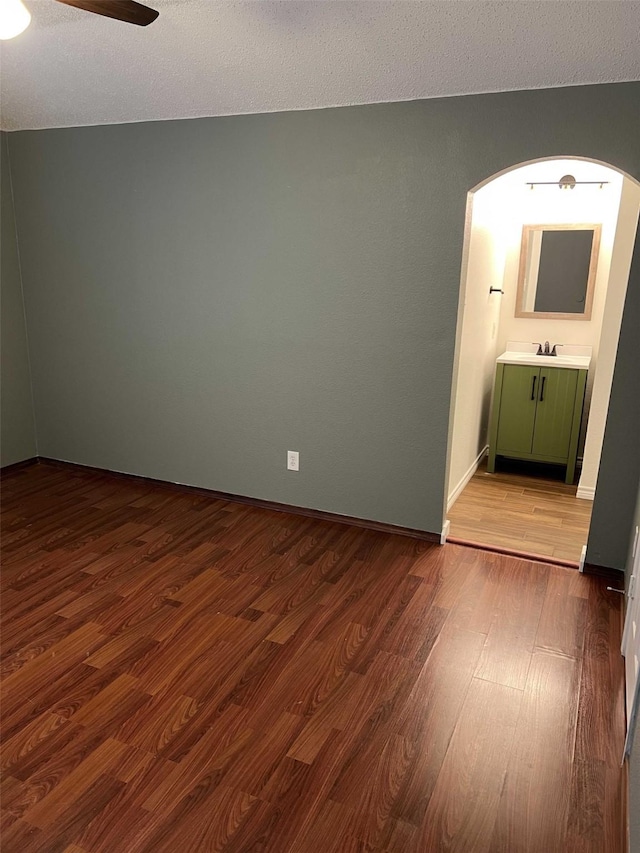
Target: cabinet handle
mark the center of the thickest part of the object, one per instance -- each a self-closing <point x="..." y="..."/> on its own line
<point x="533" y="388"/>
<point x="542" y="388"/>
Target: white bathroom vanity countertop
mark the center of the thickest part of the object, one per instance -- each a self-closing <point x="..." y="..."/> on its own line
<point x="577" y="362"/>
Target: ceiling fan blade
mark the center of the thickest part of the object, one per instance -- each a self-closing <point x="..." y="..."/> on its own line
<point x="122" y="10"/>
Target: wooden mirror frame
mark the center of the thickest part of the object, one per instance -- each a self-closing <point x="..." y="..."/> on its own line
<point x="591" y="277"/>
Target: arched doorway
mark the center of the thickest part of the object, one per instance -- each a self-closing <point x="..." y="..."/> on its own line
<point x="497" y="210"/>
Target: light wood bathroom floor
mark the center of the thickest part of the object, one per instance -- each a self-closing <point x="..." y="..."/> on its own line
<point x="511" y="509"/>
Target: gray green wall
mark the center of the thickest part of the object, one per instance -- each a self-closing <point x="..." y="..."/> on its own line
<point x="619" y="474"/>
<point x="634" y="761"/>
<point x="204" y="295"/>
<point x="17" y="433"/>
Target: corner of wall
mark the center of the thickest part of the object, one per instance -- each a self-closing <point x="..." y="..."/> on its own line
<point x="17" y="409"/>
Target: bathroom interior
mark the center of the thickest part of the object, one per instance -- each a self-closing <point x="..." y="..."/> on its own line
<point x="544" y="276"/>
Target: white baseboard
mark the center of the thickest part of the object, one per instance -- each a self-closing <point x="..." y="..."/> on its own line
<point x="455" y="494"/>
<point x="587" y="493"/>
<point x="445" y="532"/>
<point x="583" y="556"/>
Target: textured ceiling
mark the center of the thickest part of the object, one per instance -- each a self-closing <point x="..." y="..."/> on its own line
<point x="205" y="57"/>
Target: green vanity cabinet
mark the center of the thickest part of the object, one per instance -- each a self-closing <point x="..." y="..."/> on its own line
<point x="536" y="414"/>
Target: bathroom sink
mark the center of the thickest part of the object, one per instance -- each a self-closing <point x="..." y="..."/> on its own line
<point x="577" y="362"/>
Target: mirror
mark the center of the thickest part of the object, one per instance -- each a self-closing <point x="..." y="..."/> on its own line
<point x="557" y="271"/>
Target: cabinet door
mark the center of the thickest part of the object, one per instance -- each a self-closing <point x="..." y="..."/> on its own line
<point x="554" y="413"/>
<point x="517" y="409"/>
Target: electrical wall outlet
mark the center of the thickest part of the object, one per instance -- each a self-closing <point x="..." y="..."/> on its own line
<point x="293" y="460"/>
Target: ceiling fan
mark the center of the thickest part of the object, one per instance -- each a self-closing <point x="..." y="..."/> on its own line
<point x="122" y="10"/>
<point x="15" y="18"/>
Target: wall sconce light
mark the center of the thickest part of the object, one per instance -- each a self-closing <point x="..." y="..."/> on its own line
<point x="566" y="182"/>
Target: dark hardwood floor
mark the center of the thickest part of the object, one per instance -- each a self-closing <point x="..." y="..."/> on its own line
<point x="186" y="674"/>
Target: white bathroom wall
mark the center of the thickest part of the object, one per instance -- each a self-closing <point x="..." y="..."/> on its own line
<point x="627" y="223"/>
<point x="478" y="328"/>
<point x="551" y="205"/>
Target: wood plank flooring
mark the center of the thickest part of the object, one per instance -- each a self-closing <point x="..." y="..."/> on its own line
<point x="186" y="674"/>
<point x="513" y="510"/>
